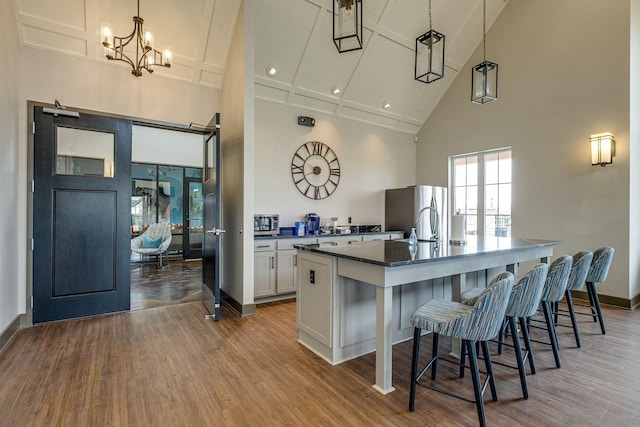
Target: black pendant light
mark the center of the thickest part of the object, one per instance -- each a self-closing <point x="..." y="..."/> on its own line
<point x="484" y="76"/>
<point x="429" y="65"/>
<point x="347" y="25"/>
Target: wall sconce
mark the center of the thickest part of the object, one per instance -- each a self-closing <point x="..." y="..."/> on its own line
<point x="347" y="25"/>
<point x="603" y="149"/>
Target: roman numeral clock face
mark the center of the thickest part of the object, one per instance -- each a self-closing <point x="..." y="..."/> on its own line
<point x="315" y="170"/>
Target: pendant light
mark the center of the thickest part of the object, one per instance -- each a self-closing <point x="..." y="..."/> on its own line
<point x="429" y="65"/>
<point x="347" y="25"/>
<point x="484" y="76"/>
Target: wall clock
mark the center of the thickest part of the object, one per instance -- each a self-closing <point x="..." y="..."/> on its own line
<point x="315" y="170"/>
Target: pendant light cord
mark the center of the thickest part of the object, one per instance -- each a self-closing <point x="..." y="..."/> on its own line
<point x="430" y="27"/>
<point x="484" y="30"/>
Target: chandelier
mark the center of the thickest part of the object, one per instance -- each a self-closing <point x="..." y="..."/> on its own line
<point x="146" y="55"/>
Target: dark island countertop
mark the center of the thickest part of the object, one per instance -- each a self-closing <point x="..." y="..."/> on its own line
<point x="394" y="253"/>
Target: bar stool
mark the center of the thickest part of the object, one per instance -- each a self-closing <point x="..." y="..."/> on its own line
<point x="523" y="303"/>
<point x="555" y="286"/>
<point x="598" y="271"/>
<point x="579" y="269"/>
<point x="472" y="324"/>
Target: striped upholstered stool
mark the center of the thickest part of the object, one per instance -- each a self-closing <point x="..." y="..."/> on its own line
<point x="472" y="324"/>
<point x="598" y="274"/>
<point x="579" y="270"/>
<point x="523" y="303"/>
<point x="555" y="286"/>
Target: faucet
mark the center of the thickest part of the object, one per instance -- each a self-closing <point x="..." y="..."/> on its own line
<point x="434" y="230"/>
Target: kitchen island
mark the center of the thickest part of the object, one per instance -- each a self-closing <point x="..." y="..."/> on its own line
<point x="358" y="298"/>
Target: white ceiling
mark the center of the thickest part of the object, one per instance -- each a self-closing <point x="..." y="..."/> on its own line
<point x="294" y="35"/>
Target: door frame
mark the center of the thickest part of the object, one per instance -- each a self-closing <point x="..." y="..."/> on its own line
<point x="28" y="317"/>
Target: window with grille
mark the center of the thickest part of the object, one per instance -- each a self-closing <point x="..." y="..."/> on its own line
<point x="481" y="190"/>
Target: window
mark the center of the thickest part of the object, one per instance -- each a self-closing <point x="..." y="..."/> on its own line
<point x="481" y="189"/>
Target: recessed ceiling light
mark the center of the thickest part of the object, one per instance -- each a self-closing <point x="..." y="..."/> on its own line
<point x="272" y="70"/>
<point x="386" y="105"/>
<point x="336" y="89"/>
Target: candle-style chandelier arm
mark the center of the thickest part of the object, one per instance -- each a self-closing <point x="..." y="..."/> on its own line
<point x="115" y="51"/>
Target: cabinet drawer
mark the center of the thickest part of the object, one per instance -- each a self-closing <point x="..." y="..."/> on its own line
<point x="288" y="244"/>
<point x="339" y="240"/>
<point x="264" y="245"/>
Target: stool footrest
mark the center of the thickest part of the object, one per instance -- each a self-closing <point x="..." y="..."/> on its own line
<point x="449" y="393"/>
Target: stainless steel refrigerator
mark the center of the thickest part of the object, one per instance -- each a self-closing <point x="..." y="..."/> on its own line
<point x="402" y="206"/>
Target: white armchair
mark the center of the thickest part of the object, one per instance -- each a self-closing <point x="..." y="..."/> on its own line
<point x="154" y="241"/>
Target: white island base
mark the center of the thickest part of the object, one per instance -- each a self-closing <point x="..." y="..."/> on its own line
<point x="348" y="307"/>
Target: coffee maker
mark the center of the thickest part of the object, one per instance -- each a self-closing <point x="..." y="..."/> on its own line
<point x="312" y="224"/>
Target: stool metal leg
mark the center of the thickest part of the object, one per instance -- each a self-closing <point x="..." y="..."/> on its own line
<point x="546" y="307"/>
<point x="517" y="349"/>
<point x="434" y="355"/>
<point x="591" y="288"/>
<point x="463" y="359"/>
<point x="574" y="322"/>
<point x="489" y="367"/>
<point x="524" y="327"/>
<point x="414" y="367"/>
<point x="475" y="376"/>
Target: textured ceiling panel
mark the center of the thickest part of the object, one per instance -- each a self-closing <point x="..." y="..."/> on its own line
<point x="66" y="12"/>
<point x="38" y="37"/>
<point x="282" y="31"/>
<point x="386" y="73"/>
<point x="324" y="66"/>
<point x="223" y="22"/>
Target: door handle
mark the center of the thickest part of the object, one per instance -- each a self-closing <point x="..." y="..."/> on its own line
<point x="216" y="231"/>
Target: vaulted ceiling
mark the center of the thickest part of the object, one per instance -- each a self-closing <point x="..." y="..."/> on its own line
<point x="293" y="35"/>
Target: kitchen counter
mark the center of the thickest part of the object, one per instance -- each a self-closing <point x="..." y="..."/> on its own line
<point x="395" y="253"/>
<point x="306" y="236"/>
<point x="358" y="298"/>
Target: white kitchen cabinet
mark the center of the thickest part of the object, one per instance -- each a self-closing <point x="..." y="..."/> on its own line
<point x="276" y="261"/>
<point x="286" y="272"/>
<point x="315" y="296"/>
<point x="264" y="268"/>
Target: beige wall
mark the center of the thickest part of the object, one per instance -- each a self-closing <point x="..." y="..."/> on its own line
<point x="564" y="74"/>
<point x="237" y="147"/>
<point x="371" y="158"/>
<point x="634" y="151"/>
<point x="12" y="219"/>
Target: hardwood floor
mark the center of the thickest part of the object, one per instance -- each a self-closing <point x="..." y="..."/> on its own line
<point x="151" y="286"/>
<point x="170" y="367"/>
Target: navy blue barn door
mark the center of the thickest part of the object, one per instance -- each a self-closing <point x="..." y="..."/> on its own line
<point x="81" y="215"/>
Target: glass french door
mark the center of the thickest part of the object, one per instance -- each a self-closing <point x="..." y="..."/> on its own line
<point x="193" y="220"/>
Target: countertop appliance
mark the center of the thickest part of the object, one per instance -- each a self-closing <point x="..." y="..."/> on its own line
<point x="313" y="224"/>
<point x="266" y="224"/>
<point x="404" y="205"/>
